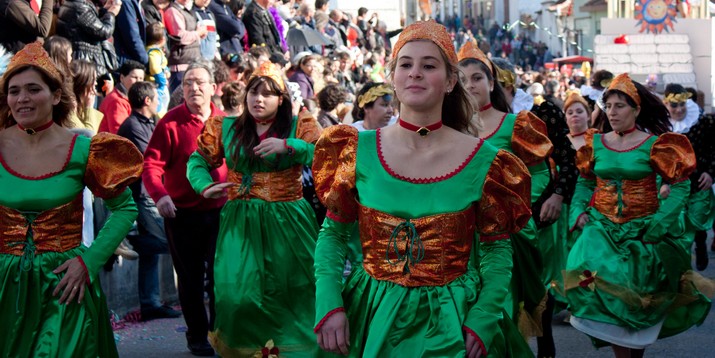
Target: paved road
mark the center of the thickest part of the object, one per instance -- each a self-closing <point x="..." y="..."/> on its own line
<point x="165" y="338"/>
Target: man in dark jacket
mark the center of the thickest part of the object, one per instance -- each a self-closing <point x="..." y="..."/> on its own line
<point x="230" y="28"/>
<point x="23" y="21"/>
<point x="153" y="10"/>
<point x="150" y="240"/>
<point x="130" y="33"/>
<point x="261" y="29"/>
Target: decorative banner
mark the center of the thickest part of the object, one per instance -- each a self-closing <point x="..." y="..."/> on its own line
<point x="655" y="15"/>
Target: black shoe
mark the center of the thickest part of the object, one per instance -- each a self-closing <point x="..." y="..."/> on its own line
<point x="202" y="349"/>
<point x="159" y="312"/>
<point x="701" y="252"/>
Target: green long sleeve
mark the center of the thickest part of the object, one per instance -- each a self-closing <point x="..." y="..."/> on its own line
<point x="198" y="171"/>
<point x="124" y="212"/>
<point x="581" y="197"/>
<point x="302" y="150"/>
<point x="668" y="211"/>
<point x="495" y="272"/>
<point x="330" y="252"/>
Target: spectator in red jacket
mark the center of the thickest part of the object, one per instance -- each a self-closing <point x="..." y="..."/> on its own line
<point x="116" y="107"/>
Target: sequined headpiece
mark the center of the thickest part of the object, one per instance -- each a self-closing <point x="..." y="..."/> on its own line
<point x="624" y="84"/>
<point x="678" y="97"/>
<point x="427" y="30"/>
<point x="33" y="55"/>
<point x="505" y="77"/>
<point x="270" y="70"/>
<point x="573" y="96"/>
<point x="373" y="94"/>
<point x="470" y="50"/>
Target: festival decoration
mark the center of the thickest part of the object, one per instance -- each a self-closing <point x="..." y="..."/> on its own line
<point x="655" y="15"/>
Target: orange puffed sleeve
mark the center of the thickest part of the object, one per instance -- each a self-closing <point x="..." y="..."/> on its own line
<point x="505" y="206"/>
<point x="308" y="128"/>
<point x="210" y="143"/>
<point x="672" y="157"/>
<point x="114" y="163"/>
<point x="584" y="156"/>
<point x="334" y="171"/>
<point x="530" y="140"/>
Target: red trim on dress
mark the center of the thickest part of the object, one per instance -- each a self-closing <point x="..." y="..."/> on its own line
<point x="44" y="176"/>
<point x="290" y="149"/>
<point x="576" y="223"/>
<point x="86" y="272"/>
<point x="423" y="180"/>
<point x="332" y="216"/>
<point x="327" y="315"/>
<point x="476" y="337"/>
<point x="501" y="123"/>
<point x="493" y="238"/>
<point x="625" y="150"/>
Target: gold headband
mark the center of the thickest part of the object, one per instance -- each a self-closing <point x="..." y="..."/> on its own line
<point x="33" y="55"/>
<point x="270" y="70"/>
<point x="573" y="96"/>
<point x="470" y="50"/>
<point x="427" y="30"/>
<point x="506" y="78"/>
<point x="678" y="98"/>
<point x="373" y="94"/>
<point x="624" y="84"/>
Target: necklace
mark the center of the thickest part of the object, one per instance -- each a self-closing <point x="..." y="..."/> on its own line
<point x="266" y="121"/>
<point x="485" y="107"/>
<point x="33" y="131"/>
<point x="627" y="131"/>
<point x="578" y="134"/>
<point x="422" y="131"/>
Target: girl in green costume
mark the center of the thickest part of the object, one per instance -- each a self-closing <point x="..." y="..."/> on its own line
<point x="263" y="271"/>
<point x="627" y="279"/>
<point x="419" y="191"/>
<point x="51" y="301"/>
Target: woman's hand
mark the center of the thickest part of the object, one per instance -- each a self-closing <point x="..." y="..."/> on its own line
<point x="72" y="283"/>
<point x="474" y="349"/>
<point x="705" y="181"/>
<point x="217" y="191"/>
<point x="551" y="210"/>
<point x="664" y="191"/>
<point x="270" y="146"/>
<point x="334" y="335"/>
<point x="582" y="220"/>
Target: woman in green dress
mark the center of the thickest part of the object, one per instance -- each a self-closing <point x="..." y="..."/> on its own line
<point x="525" y="136"/>
<point x="420" y="191"/>
<point x="263" y="271"/>
<point x="627" y="279"/>
<point x="51" y="301"/>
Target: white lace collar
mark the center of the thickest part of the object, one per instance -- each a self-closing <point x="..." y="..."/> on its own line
<point x="691" y="118"/>
<point x="522" y="101"/>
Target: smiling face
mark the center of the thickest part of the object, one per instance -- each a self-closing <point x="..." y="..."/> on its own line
<point x="262" y="102"/>
<point x="577" y="118"/>
<point x="198" y="88"/>
<point x="677" y="110"/>
<point x="131" y="78"/>
<point x="380" y="113"/>
<point x="420" y="77"/>
<point x="476" y="83"/>
<point x="307" y="66"/>
<point x="620" y="114"/>
<point x="30" y="99"/>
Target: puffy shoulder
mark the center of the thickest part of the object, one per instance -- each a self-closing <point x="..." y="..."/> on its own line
<point x="307" y="128"/>
<point x="113" y="163"/>
<point x="530" y="140"/>
<point x="505" y="206"/>
<point x="584" y="156"/>
<point x="334" y="171"/>
<point x="672" y="157"/>
<point x="210" y="142"/>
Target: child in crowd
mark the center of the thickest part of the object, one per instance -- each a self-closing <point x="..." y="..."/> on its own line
<point x="158" y="72"/>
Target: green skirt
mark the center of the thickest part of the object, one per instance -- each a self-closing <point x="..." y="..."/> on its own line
<point x="613" y="277"/>
<point x="698" y="215"/>
<point x="389" y="320"/>
<point x="34" y="324"/>
<point x="264" y="280"/>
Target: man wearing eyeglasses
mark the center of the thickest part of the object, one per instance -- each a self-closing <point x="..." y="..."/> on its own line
<point x="191" y="221"/>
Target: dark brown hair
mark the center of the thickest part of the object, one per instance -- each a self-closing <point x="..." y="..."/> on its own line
<point x="85" y="77"/>
<point x="243" y="134"/>
<point x="154" y="33"/>
<point x="654" y="117"/>
<point x="60" y="111"/>
<point x="233" y="96"/>
<point x="496" y="96"/>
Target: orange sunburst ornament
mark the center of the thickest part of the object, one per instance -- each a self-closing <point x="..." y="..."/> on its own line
<point x="655" y="16"/>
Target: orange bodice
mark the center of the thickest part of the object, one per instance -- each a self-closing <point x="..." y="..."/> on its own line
<point x="428" y="251"/>
<point x="624" y="200"/>
<point x="285" y="185"/>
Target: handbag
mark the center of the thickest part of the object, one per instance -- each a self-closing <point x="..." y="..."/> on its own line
<point x="109" y="56"/>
